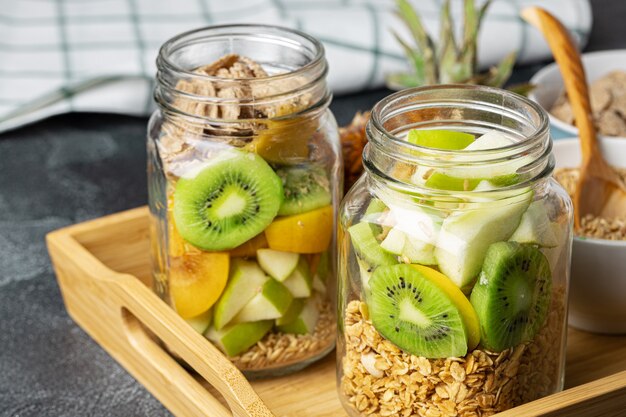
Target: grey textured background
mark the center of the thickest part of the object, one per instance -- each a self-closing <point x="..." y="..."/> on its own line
<point x="76" y="167"/>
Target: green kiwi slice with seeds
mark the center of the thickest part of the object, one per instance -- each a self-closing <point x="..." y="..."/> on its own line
<point x="228" y="202"/>
<point x="512" y="294"/>
<point x="415" y="313"/>
<point x="306" y="188"/>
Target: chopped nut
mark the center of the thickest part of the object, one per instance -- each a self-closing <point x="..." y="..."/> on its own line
<point x="368" y="360"/>
<point x="608" y="104"/>
<point x="593" y="226"/>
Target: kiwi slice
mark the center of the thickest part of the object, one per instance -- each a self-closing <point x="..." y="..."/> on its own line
<point x="228" y="202"/>
<point x="512" y="294"/>
<point x="416" y="313"/>
<point x="306" y="188"/>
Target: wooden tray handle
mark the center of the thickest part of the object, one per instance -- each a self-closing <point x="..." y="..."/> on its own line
<point x="202" y="357"/>
<point x="116" y="309"/>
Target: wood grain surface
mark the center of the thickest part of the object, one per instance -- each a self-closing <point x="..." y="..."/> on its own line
<point x="103" y="270"/>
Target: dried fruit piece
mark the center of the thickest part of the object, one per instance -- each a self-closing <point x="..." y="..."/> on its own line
<point x="250" y="247"/>
<point x="353" y="140"/>
<point x="285" y="141"/>
<point x="196" y="281"/>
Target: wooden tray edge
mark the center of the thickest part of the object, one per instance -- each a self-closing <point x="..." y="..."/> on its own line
<point x="603" y="397"/>
<point x="126" y="308"/>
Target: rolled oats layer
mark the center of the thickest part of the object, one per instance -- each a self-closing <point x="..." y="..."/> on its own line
<point x="381" y="380"/>
<point x="282" y="349"/>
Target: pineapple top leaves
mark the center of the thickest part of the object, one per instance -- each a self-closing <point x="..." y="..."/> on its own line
<point x="449" y="61"/>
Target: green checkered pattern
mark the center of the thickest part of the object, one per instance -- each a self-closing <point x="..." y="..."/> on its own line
<point x="98" y="55"/>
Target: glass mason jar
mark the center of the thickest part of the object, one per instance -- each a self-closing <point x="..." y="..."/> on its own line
<point x="244" y="176"/>
<point x="453" y="264"/>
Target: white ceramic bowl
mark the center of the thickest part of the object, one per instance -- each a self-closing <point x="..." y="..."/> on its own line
<point x="549" y="83"/>
<point x="597" y="300"/>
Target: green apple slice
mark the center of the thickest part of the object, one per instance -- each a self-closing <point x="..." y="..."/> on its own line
<point x="292" y="313"/>
<point x="535" y="227"/>
<point x="318" y="285"/>
<point x="441" y="181"/>
<point x="365" y="272"/>
<point x="201" y="322"/>
<point x="554" y="254"/>
<point x="419" y="252"/>
<point x="323" y="267"/>
<point x="494" y="171"/>
<point x="440" y="139"/>
<point x="237" y="338"/>
<point x="394" y="242"/>
<point x="414" y="250"/>
<point x="490" y="140"/>
<point x="305" y="321"/>
<point x="367" y="246"/>
<point x="376" y="206"/>
<point x="374" y="215"/>
<point x="417" y="222"/>
<point x="270" y="303"/>
<point x="466" y="235"/>
<point x="500" y="174"/>
<point x="245" y="281"/>
<point x="279" y="265"/>
<point x="300" y="282"/>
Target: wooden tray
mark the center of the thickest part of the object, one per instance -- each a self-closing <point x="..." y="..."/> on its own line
<point x="103" y="270"/>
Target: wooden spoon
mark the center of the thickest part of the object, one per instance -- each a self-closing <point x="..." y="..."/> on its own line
<point x="600" y="190"/>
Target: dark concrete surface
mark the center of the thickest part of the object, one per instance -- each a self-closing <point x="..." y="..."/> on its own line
<point x="76" y="167"/>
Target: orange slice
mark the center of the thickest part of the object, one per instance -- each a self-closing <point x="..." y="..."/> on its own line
<point x="309" y="232"/>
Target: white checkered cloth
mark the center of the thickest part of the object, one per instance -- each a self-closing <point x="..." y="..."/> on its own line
<point x="58" y="56"/>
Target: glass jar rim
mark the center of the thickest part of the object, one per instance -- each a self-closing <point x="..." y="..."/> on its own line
<point x="263" y="30"/>
<point x="297" y="60"/>
<point x="513" y="114"/>
<point x="376" y="128"/>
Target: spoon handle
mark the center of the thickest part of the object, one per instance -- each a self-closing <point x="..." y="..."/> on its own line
<point x="568" y="59"/>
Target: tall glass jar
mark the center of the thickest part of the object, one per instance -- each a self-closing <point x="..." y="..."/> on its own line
<point x="244" y="175"/>
<point x="454" y="251"/>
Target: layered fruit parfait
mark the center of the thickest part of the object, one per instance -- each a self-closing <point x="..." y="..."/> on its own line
<point x="455" y="293"/>
<point x="244" y="218"/>
<point x="248" y="250"/>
